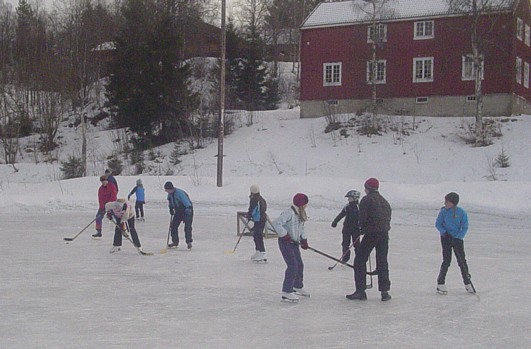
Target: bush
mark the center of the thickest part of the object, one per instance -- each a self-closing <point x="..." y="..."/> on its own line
<point x="72" y="168"/>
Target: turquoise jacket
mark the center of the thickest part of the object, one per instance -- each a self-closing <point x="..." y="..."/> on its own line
<point x="453" y="221"/>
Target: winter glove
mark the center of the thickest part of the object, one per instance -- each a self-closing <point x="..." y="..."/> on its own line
<point x="334" y="224"/>
<point x="286" y="238"/>
<point x="304" y="244"/>
<point x="172" y="211"/>
<point x="128" y="197"/>
<point x="109" y="215"/>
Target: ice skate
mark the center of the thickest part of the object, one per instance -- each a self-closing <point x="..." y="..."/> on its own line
<point x="173" y="245"/>
<point x="469" y="288"/>
<point x="441" y="289"/>
<point x="301" y="292"/>
<point x="385" y="296"/>
<point x="115" y="249"/>
<point x="260" y="257"/>
<point x="289" y="297"/>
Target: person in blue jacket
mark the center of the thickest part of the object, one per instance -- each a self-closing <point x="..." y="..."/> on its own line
<point x="181" y="210"/>
<point x="452" y="224"/>
<point x="140" y="194"/>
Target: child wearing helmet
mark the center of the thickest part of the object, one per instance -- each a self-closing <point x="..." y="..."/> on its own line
<point x="351" y="227"/>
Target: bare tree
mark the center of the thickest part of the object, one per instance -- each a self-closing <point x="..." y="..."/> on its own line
<point x="48" y="109"/>
<point x="376" y="12"/>
<point x="482" y="15"/>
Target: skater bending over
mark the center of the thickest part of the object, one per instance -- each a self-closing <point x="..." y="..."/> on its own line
<point x="122" y="213"/>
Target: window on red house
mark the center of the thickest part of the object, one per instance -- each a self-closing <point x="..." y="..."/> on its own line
<point x="423" y="69"/>
<point x="423" y="30"/>
<point x="332" y="74"/>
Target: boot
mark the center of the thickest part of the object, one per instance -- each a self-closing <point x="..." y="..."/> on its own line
<point x="385" y="296"/>
<point x="362" y="296"/>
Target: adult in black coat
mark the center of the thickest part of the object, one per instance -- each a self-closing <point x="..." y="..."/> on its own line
<point x="375" y="223"/>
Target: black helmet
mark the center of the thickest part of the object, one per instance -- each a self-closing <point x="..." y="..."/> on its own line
<point x="353" y="194"/>
<point x="168" y="185"/>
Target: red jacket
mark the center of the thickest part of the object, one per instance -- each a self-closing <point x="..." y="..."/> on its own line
<point x="107" y="194"/>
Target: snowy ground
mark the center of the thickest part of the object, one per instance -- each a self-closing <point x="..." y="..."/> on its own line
<point x="77" y="295"/>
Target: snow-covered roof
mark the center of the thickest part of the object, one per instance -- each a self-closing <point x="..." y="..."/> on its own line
<point x="348" y="12"/>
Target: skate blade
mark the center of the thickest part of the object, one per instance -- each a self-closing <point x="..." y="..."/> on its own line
<point x="442" y="292"/>
<point x="263" y="261"/>
<point x="285" y="300"/>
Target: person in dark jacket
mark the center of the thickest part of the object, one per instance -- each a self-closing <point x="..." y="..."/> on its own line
<point x="106" y="193"/>
<point x="375" y="223"/>
<point x="139" y="192"/>
<point x="182" y="210"/>
<point x="257" y="214"/>
<point x="111" y="178"/>
<point x="351" y="227"/>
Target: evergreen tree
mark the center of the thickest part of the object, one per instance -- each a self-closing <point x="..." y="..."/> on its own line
<point x="148" y="87"/>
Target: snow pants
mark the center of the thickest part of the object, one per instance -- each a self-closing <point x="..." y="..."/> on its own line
<point x="448" y="244"/>
<point x="293" y="277"/>
<point x="380" y="242"/>
<point x="99" y="219"/>
<point x="349" y="236"/>
<point x="139" y="209"/>
<point x="132" y="231"/>
<point x="186" y="216"/>
<point x="258" y="236"/>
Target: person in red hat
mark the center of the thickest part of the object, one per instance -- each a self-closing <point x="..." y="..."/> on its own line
<point x="290" y="228"/>
<point x="375" y="223"/>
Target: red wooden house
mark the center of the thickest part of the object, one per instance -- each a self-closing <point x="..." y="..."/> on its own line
<point x="423" y="59"/>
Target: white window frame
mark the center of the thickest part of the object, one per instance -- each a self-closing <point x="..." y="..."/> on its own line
<point x="526" y="75"/>
<point x="426" y="76"/>
<point x="420" y="29"/>
<point x="467" y="65"/>
<point x="381" y="67"/>
<point x="527" y="35"/>
<point x="518" y="70"/>
<point x="519" y="28"/>
<point x="382" y="32"/>
<point x="332" y="77"/>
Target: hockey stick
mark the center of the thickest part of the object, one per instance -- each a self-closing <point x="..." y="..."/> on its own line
<point x="329" y="256"/>
<point x="82" y="230"/>
<point x="125" y="235"/>
<point x="369" y="286"/>
<point x="238" y="242"/>
<point x="164" y="250"/>
<point x="345" y="253"/>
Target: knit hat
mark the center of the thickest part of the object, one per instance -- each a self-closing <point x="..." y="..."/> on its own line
<point x="255" y="189"/>
<point x="452" y="197"/>
<point x="103" y="178"/>
<point x="168" y="185"/>
<point x="372" y="184"/>
<point x="138" y="182"/>
<point x="107" y="171"/>
<point x="300" y="199"/>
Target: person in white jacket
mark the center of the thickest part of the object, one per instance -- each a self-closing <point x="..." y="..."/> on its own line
<point x="290" y="228"/>
<point x="124" y="215"/>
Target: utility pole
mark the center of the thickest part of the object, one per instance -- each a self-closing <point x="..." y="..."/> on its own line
<point x="221" y="133"/>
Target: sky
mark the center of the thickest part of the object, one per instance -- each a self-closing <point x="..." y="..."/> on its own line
<point x="78" y="295"/>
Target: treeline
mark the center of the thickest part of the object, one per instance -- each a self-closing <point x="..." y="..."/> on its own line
<point x="52" y="62"/>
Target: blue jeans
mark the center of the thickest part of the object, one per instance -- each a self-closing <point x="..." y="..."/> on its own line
<point x="293" y="277"/>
